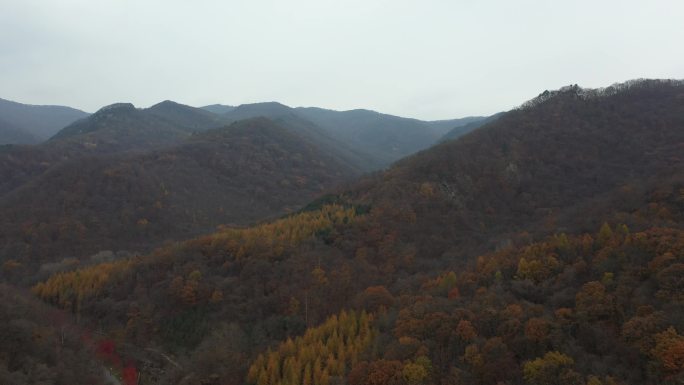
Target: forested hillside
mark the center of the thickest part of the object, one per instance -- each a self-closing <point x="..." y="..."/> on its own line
<point x="461" y="130"/>
<point x="126" y="179"/>
<point x="602" y="308"/>
<point x="122" y="127"/>
<point x="112" y="130"/>
<point x="43" y="345"/>
<point x="565" y="164"/>
<point x="239" y="174"/>
<point x="544" y="248"/>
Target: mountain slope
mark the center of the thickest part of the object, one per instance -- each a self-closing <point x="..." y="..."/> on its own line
<point x="461" y="130"/>
<point x="344" y="153"/>
<point x="368" y="139"/>
<point x="117" y="128"/>
<point x="218" y="108"/>
<point x="387" y="137"/>
<point x="449" y="124"/>
<point x="239" y="174"/>
<point x="10" y="134"/>
<point x="113" y="129"/>
<point x="556" y="163"/>
<point x="40" y="121"/>
<point x="565" y="162"/>
<point x="122" y="127"/>
<point x="253" y="110"/>
<point x="192" y="118"/>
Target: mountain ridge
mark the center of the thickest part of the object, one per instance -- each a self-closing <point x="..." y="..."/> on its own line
<point x="39" y="121"/>
<point x="382" y="138"/>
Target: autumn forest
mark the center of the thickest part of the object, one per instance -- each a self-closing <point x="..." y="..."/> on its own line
<point x="269" y="245"/>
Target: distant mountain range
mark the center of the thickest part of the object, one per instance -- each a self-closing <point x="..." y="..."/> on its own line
<point x="122" y="127"/>
<point x="130" y="178"/>
<point x="367" y="139"/>
<point x="381" y="138"/>
<point x="30" y="124"/>
<point x="113" y="130"/>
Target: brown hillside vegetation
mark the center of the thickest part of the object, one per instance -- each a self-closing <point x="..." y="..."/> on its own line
<point x="114" y="129"/>
<point x="243" y="173"/>
<point x="566" y="163"/>
<point x="483" y="260"/>
<point x="41" y="345"/>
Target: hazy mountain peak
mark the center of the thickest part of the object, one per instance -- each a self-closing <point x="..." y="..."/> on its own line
<point x="186" y="117"/>
<point x="273" y="110"/>
<point x="265" y="104"/>
<point x="167" y="102"/>
<point x="116" y="107"/>
<point x="218" y="108"/>
<point x="122" y="126"/>
<point x="170" y="105"/>
<point x="266" y="107"/>
<point x="363" y="111"/>
<point x="575" y="91"/>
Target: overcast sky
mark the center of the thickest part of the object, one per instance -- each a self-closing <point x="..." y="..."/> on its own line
<point x="427" y="59"/>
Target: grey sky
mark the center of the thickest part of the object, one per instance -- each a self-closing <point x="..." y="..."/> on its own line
<point x="427" y="59"/>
